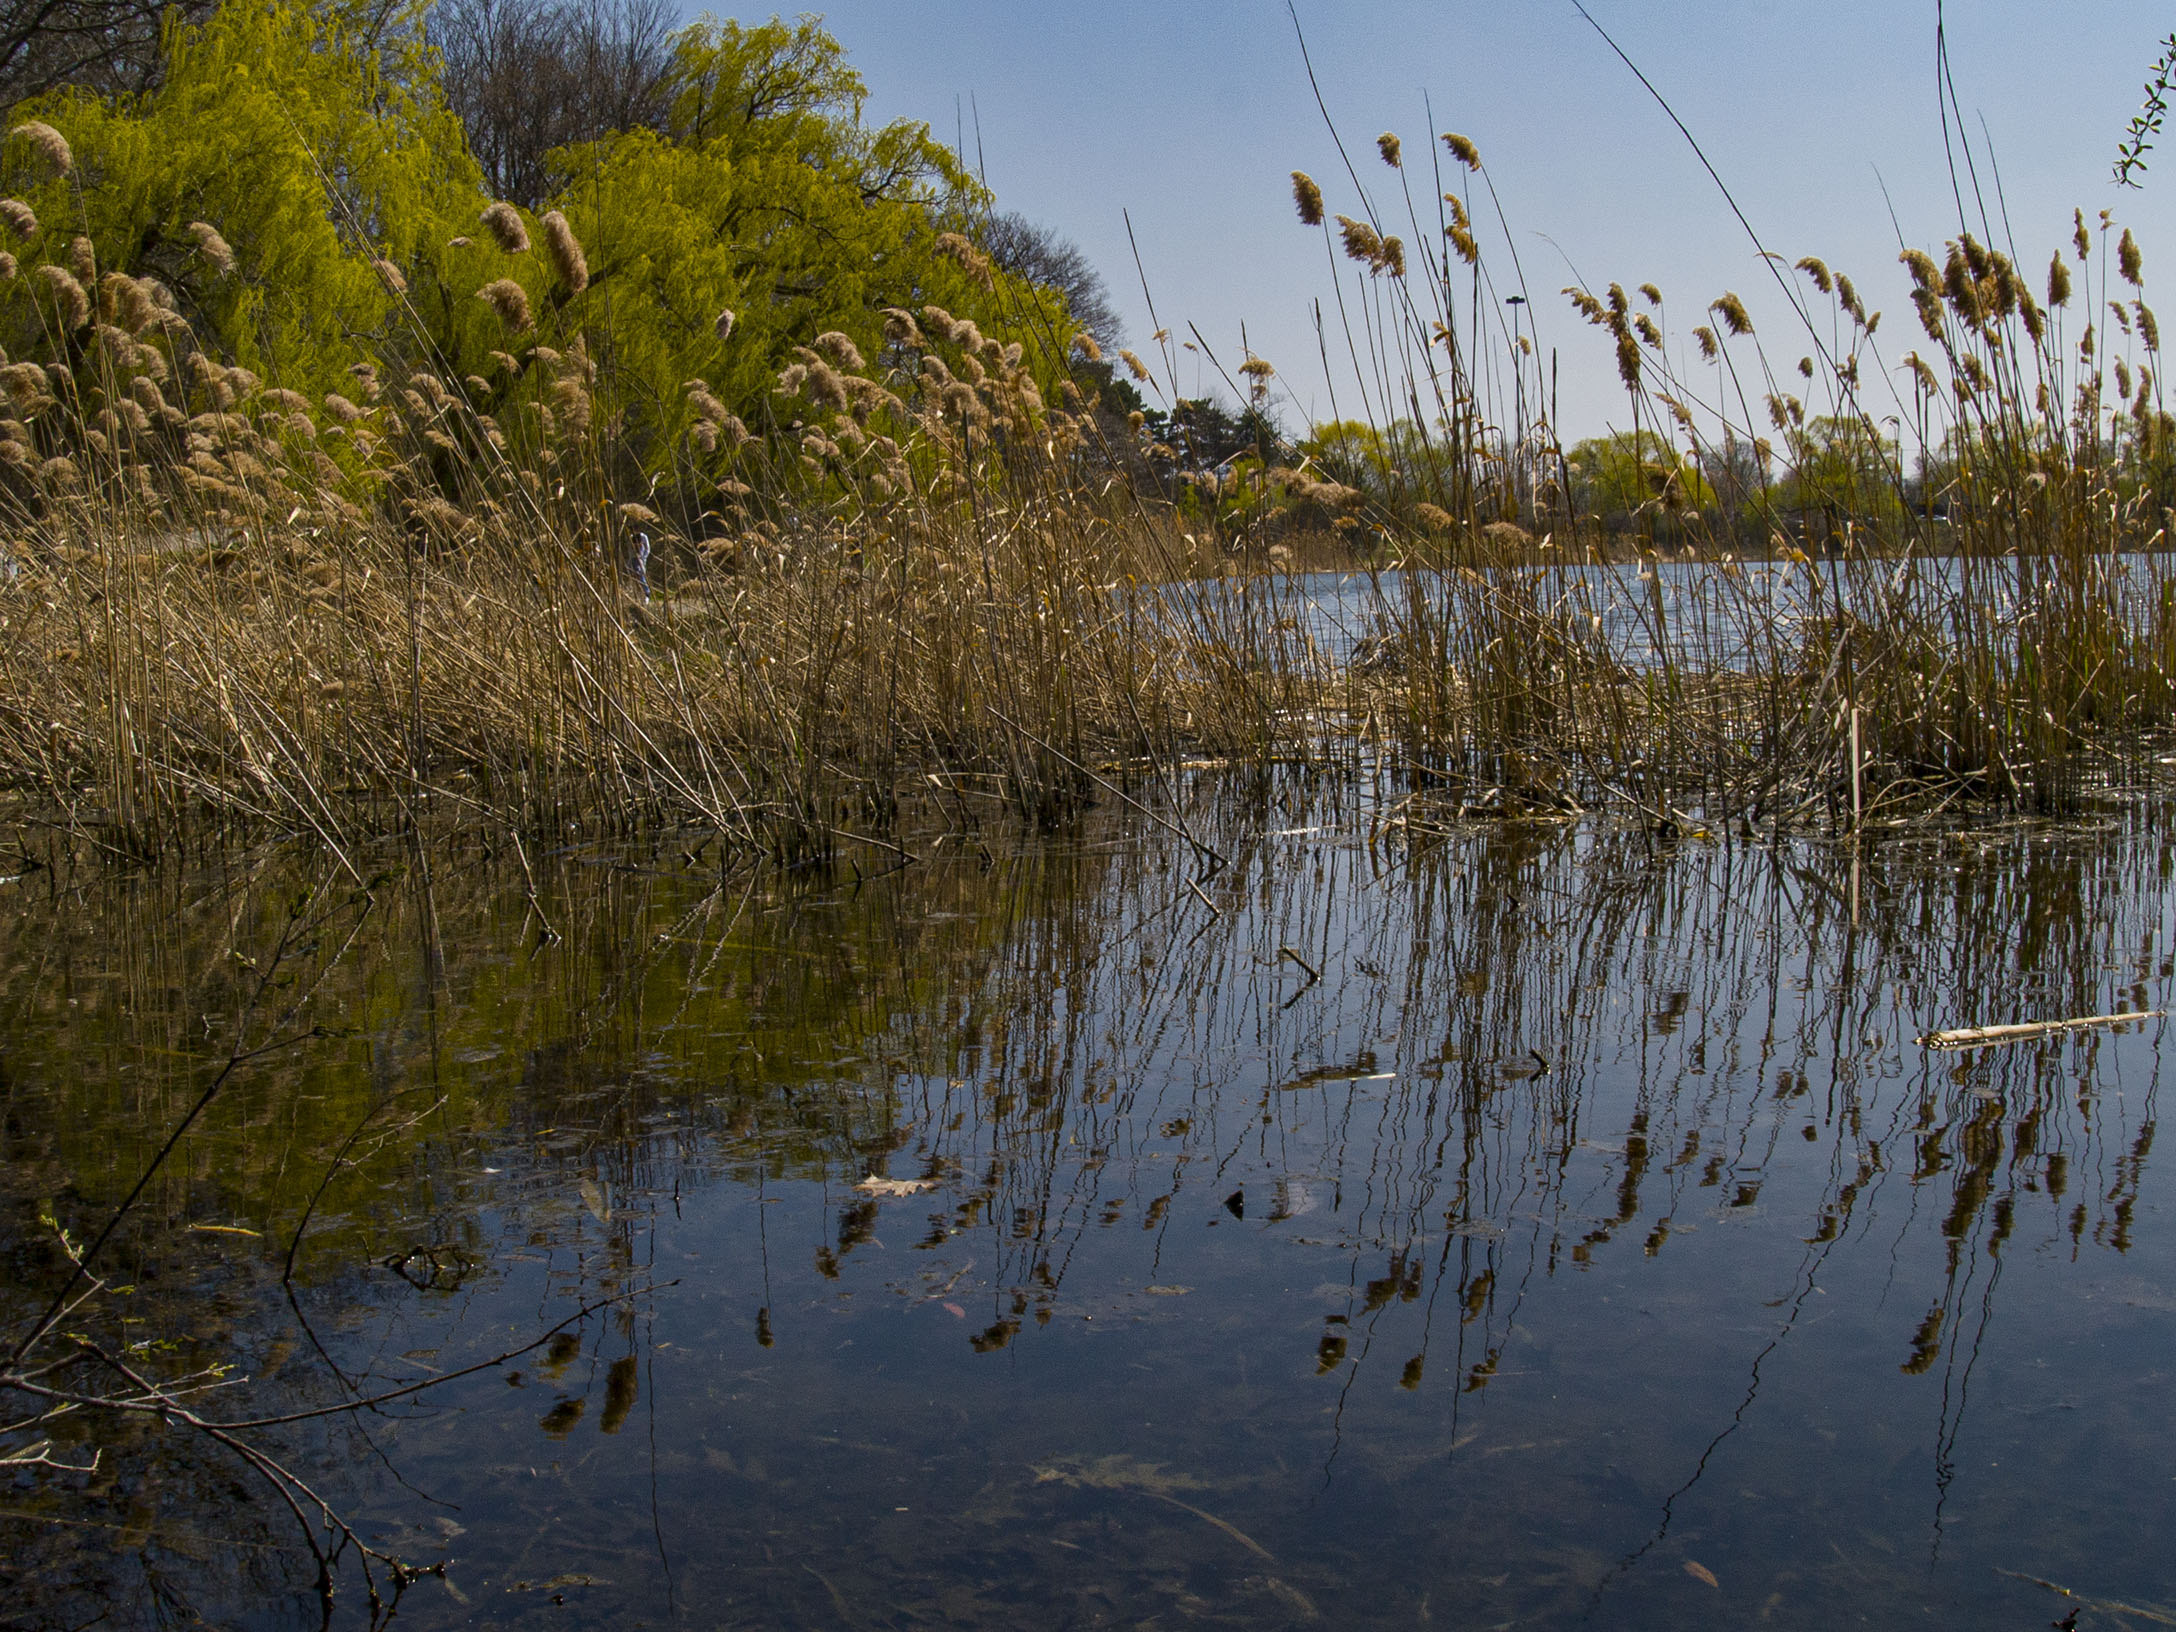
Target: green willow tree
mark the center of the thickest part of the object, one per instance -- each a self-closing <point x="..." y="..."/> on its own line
<point x="1626" y="478"/>
<point x="304" y="192"/>
<point x="276" y="162"/>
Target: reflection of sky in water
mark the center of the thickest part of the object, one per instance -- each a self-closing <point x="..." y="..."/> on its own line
<point x="1739" y="618"/>
<point x="1592" y="1243"/>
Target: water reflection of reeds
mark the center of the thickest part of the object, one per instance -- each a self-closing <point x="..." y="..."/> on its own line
<point x="1536" y="1056"/>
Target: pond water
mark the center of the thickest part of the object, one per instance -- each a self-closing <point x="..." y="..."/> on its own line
<point x="1741" y="617"/>
<point x="1528" y="1226"/>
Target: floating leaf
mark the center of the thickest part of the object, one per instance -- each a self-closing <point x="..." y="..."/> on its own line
<point x="593" y="1199"/>
<point x="876" y="1185"/>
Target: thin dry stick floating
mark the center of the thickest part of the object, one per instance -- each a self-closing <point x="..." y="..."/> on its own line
<point x="1986" y="1036"/>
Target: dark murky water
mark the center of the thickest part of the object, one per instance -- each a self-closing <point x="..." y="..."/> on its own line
<point x="1593" y="1243"/>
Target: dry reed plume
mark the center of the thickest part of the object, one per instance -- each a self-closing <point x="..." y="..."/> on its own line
<point x="205" y="618"/>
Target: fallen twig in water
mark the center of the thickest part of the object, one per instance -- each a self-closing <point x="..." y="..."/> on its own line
<point x="2107" y="1605"/>
<point x="1993" y="1036"/>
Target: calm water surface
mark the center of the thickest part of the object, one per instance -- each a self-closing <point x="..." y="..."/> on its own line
<point x="1695" y="610"/>
<point x="1593" y="1243"/>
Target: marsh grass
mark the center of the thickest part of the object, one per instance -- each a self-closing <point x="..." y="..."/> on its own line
<point x="227" y="608"/>
<point x="1874" y="578"/>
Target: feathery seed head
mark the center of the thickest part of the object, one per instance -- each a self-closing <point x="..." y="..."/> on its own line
<point x="70" y="303"/>
<point x="1389" y="146"/>
<point x="510" y="301"/>
<point x="212" y="247"/>
<point x="1652" y="295"/>
<point x="2080" y="239"/>
<point x="2058" y="281"/>
<point x="1817" y="269"/>
<point x="120" y="346"/>
<point x="1134" y="365"/>
<point x="1085" y="344"/>
<point x="1960" y="283"/>
<point x="565" y="251"/>
<point x="51" y="145"/>
<point x="1462" y="150"/>
<point x="1645" y="327"/>
<point x="2030" y="314"/>
<point x="900" y="329"/>
<point x="1306" y="196"/>
<point x="83" y="261"/>
<point x="840" y="349"/>
<point x="1393" y="256"/>
<point x="390" y="276"/>
<point x="1589" y="308"/>
<point x="1628" y="360"/>
<point x="1733" y="312"/>
<point x="1705" y="337"/>
<point x="121" y="300"/>
<point x="20" y="218"/>
<point x="2149" y="330"/>
<point x="723" y="325"/>
<point x="504" y="223"/>
<point x="2130" y="262"/>
<point x="1360" y="240"/>
<point x="1929" y="306"/>
<point x="970" y="259"/>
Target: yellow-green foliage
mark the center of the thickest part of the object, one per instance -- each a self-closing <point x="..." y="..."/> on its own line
<point x="312" y="206"/>
<point x="308" y="156"/>
<point x="1632" y="474"/>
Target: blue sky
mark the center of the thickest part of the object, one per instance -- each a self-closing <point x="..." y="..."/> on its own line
<point x="1191" y="116"/>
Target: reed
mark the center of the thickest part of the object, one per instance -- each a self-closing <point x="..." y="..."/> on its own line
<point x="224" y="605"/>
<point x="197" y="623"/>
<point x="1758" y="601"/>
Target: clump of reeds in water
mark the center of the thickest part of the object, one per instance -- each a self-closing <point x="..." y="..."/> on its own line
<point x="1833" y="596"/>
<point x="225" y="601"/>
